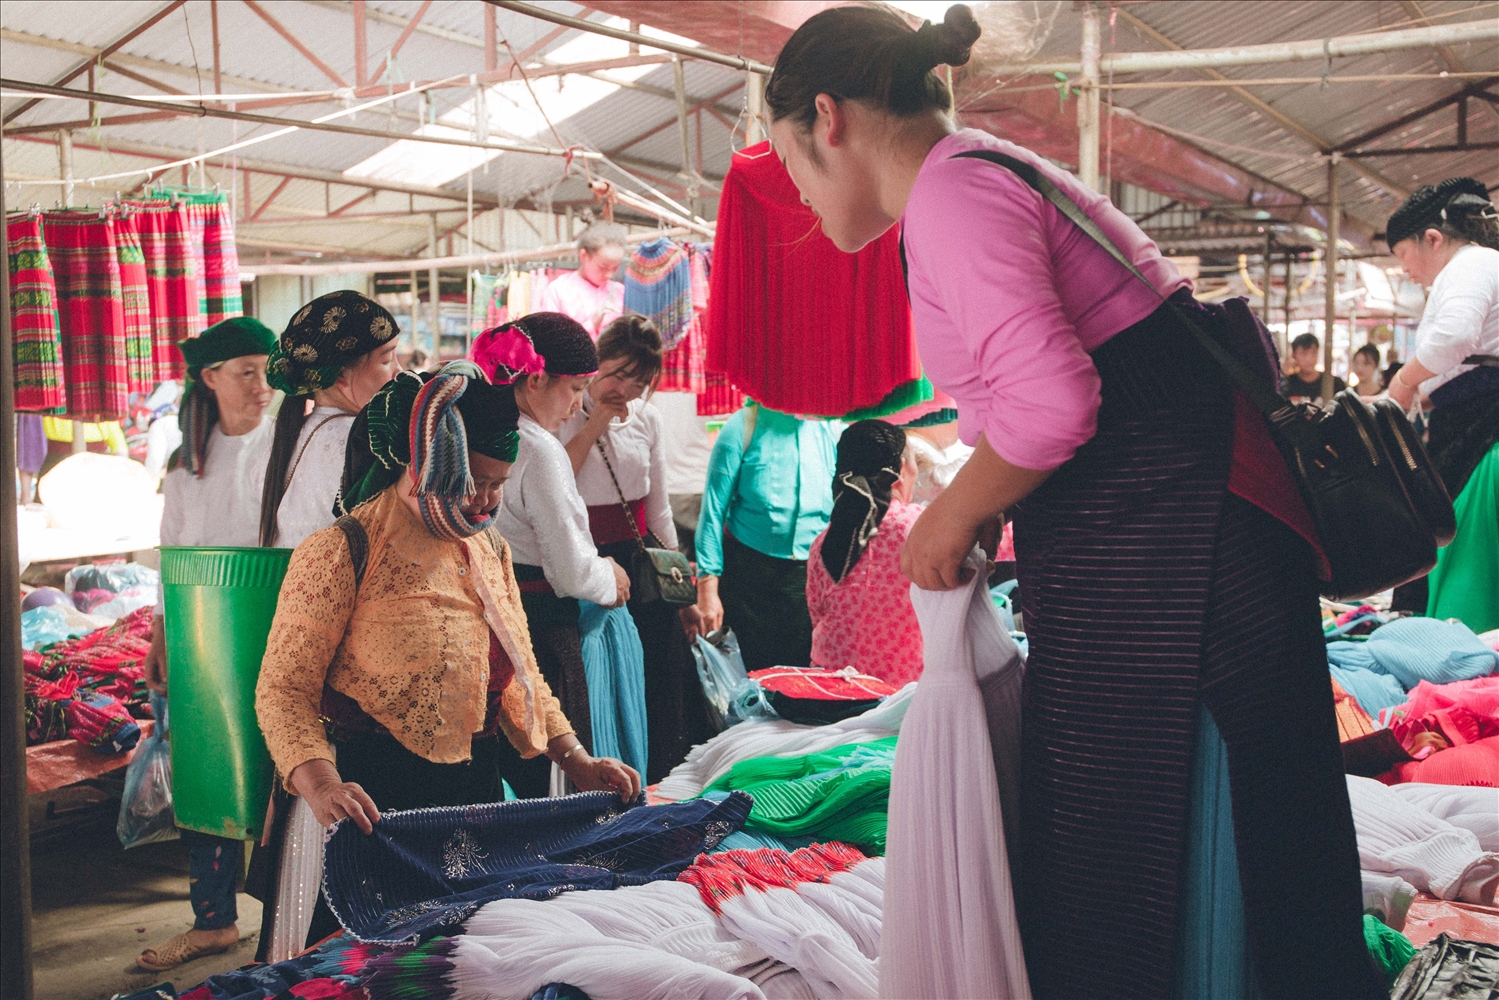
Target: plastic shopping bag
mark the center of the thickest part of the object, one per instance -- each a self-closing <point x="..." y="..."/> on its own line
<point x="146" y="809"/>
<point x="732" y="697"/>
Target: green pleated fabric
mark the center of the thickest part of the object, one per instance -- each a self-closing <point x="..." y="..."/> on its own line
<point x="1391" y="950"/>
<point x="902" y="397"/>
<point x="842" y="794"/>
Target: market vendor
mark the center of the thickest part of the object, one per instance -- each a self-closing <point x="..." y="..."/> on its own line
<point x="1446" y="238"/>
<point x="402" y="626"/>
<point x="211" y="497"/>
<point x="590" y="294"/>
<point x="1150" y="586"/>
<point x="335" y="354"/>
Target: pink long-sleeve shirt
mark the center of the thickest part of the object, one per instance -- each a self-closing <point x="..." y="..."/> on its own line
<point x="1009" y="297"/>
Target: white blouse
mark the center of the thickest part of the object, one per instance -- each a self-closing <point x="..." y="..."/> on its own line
<point x="315" y="475"/>
<point x="546" y="522"/>
<point x="637" y="450"/>
<point x="1461" y="316"/>
<point x="223" y="506"/>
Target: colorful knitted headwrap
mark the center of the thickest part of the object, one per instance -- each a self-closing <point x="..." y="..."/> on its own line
<point x="541" y="342"/>
<point x="325" y="337"/>
<point x="429" y="423"/>
<point x="198" y="412"/>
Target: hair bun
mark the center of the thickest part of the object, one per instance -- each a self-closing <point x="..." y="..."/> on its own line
<point x="950" y="42"/>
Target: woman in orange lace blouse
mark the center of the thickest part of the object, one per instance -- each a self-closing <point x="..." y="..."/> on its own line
<point x="414" y="668"/>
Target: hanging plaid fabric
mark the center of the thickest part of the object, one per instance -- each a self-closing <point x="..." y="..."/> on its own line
<point x="90" y="312"/>
<point x="171" y="282"/>
<point x="33" y="319"/>
<point x="658" y="284"/>
<point x="135" y="301"/>
<point x="718" y="397"/>
<point x="682" y="367"/>
<point x="216" y="260"/>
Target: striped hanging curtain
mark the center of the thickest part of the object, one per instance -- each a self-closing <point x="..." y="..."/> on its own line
<point x="135" y="300"/>
<point x="36" y="341"/>
<point x="171" y="282"/>
<point x="91" y="314"/>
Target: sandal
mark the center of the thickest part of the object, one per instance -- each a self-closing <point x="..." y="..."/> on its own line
<point x="178" y="951"/>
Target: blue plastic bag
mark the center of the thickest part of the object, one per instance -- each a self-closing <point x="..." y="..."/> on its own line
<point x="146" y="808"/>
<point x="732" y="697"/>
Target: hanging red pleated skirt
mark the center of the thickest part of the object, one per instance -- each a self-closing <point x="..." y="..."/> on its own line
<point x="36" y="342"/>
<point x="171" y="283"/>
<point x="792" y="320"/>
<point x="135" y="300"/>
<point x="217" y="263"/>
<point x="90" y="312"/>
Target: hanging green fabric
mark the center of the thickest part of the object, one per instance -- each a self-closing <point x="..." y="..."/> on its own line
<point x="842" y="794"/>
<point x="902" y="397"/>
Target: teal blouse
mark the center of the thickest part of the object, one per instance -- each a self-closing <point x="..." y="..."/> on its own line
<point x="776" y="496"/>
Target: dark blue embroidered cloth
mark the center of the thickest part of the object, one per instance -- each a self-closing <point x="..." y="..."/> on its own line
<point x="423" y="870"/>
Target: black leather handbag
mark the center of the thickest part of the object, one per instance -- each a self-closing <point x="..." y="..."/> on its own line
<point x="655" y="574"/>
<point x="1379" y="506"/>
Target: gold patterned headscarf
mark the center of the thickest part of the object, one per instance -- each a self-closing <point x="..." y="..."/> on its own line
<point x="325" y="337"/>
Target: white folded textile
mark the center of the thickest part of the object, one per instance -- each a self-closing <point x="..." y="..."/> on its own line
<point x="707" y="762"/>
<point x="1468" y="806"/>
<point x="949" y="921"/>
<point x="1398" y="838"/>
<point x="1388" y="898"/>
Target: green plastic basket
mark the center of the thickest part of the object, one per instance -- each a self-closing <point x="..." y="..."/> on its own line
<point x="219" y="603"/>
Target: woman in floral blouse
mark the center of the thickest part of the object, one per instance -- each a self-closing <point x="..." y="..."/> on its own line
<point x="859" y="600"/>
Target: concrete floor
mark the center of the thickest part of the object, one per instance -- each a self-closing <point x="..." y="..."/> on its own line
<point x="96" y="906"/>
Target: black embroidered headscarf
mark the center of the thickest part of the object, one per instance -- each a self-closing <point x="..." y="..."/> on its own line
<point x="869" y="461"/>
<point x="1430" y="206"/>
<point x="324" y="337"/>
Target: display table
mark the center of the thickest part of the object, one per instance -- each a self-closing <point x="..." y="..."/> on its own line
<point x="39" y="542"/>
<point x="67" y="762"/>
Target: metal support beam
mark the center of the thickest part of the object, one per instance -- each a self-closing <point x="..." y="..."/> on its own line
<point x="109" y="49"/>
<point x="1332" y="273"/>
<point x="491" y="52"/>
<point x="361" y="44"/>
<point x="1088" y="101"/>
<point x="434" y="289"/>
<point x="401" y="40"/>
<point x="1369" y="135"/>
<point x="15" y="837"/>
<point x="131" y="74"/>
<point x="1483" y="30"/>
<point x="679" y="77"/>
<point x="1461" y="147"/>
<point x="218" y="72"/>
<point x="270" y="198"/>
<point x="295" y="42"/>
<point x="1449" y="58"/>
<point x="691" y="52"/>
<point x="754" y="108"/>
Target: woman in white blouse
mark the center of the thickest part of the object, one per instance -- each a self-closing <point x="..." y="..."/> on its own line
<point x="1445" y="237"/>
<point x="336" y="353"/>
<point x="618" y="450"/>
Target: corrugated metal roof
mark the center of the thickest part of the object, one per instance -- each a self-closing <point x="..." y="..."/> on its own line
<point x="44" y="40"/>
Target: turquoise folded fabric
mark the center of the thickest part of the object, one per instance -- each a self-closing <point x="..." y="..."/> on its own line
<point x="1412" y="650"/>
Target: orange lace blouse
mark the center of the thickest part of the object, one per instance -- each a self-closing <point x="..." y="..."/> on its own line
<point x="411" y="647"/>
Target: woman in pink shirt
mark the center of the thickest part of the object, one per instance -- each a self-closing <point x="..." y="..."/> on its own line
<point x="859" y="600"/>
<point x="590" y="294"/>
<point x="1168" y="577"/>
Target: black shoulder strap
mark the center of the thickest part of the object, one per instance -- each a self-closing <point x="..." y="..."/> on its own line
<point x="1280" y="411"/>
<point x="359" y="545"/>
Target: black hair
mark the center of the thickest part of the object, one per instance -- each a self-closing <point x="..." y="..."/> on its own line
<point x="869" y="53"/>
<point x="1458" y="208"/>
<point x="1368" y="351"/>
<point x="1306" y="340"/>
<point x="635" y="338"/>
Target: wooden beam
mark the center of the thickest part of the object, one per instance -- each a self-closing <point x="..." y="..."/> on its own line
<point x="405" y="34"/>
<point x="109" y="49"/>
<point x="361" y="44"/>
<point x="270" y="198"/>
<point x="491" y="53"/>
<point x="218" y="73"/>
<point x="295" y="42"/>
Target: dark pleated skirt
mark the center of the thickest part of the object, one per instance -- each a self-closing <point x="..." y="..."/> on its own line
<point x="1145" y="586"/>
<point x="676" y="711"/>
<point x="553" y="622"/>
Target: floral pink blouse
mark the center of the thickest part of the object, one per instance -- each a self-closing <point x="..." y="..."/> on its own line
<point x="866" y="620"/>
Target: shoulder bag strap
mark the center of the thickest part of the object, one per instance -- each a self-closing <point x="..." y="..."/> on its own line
<point x="359" y="546"/>
<point x="624" y="504"/>
<point x="1280" y="412"/>
<point x="303" y="450"/>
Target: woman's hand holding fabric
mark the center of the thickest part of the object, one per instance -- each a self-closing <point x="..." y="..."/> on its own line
<point x="933" y="555"/>
<point x="332" y="798"/>
<point x="155" y="664"/>
<point x="602" y="774"/>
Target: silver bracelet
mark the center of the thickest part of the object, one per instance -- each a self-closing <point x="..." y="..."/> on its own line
<point x="569" y="753"/>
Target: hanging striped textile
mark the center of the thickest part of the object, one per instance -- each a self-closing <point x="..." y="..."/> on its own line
<point x="33" y="319"/>
<point x="719" y="397"/>
<point x="658" y="284"/>
<point x="90" y="312"/>
<point x="135" y="300"/>
<point x="171" y="282"/>
<point x="216" y="260"/>
<point x="682" y="367"/>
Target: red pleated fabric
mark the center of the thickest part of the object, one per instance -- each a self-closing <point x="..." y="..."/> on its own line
<point x="135" y="301"/>
<point x="90" y="312"/>
<point x="171" y="283"/>
<point x="793" y="321"/>
<point x="33" y="319"/>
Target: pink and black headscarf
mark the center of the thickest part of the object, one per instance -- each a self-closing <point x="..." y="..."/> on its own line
<point x="547" y="342"/>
